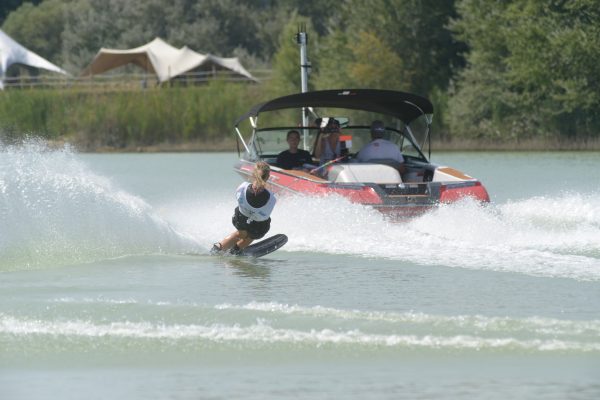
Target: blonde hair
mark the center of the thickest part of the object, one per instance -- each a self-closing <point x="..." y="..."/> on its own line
<point x="261" y="174"/>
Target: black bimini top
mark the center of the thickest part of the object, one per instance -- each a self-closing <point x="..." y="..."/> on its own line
<point x="404" y="106"/>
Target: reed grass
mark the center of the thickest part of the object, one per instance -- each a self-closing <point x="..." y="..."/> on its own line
<point x="181" y="118"/>
<point x="125" y="119"/>
<point x="545" y="143"/>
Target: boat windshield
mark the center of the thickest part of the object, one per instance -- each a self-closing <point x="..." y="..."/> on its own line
<point x="269" y="142"/>
<point x="419" y="129"/>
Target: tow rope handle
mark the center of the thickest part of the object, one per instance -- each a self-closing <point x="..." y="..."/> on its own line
<point x="312" y="171"/>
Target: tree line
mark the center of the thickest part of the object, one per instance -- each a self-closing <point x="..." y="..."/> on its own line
<point x="495" y="70"/>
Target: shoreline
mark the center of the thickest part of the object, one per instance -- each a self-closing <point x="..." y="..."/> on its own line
<point x="458" y="145"/>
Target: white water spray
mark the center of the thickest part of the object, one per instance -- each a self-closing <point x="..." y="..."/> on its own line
<point x="550" y="237"/>
<point x="53" y="210"/>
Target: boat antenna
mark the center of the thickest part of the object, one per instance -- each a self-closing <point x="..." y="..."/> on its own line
<point x="302" y="41"/>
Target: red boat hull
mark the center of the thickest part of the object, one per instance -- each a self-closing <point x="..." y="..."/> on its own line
<point x="411" y="199"/>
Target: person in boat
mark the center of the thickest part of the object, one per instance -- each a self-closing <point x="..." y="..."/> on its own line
<point x="329" y="147"/>
<point x="293" y="158"/>
<point x="252" y="216"/>
<point x="379" y="148"/>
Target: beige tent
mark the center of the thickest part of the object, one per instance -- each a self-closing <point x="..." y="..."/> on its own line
<point x="164" y="60"/>
<point x="12" y="52"/>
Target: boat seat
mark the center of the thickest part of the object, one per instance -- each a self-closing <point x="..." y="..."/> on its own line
<point x="364" y="173"/>
<point x="386" y="161"/>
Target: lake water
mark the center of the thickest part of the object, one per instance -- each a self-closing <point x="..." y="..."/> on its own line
<point x="107" y="290"/>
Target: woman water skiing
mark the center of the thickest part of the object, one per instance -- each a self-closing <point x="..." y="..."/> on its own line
<point x="252" y="216"/>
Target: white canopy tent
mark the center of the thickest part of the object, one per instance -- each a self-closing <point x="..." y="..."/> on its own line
<point x="12" y="52"/>
<point x="162" y="59"/>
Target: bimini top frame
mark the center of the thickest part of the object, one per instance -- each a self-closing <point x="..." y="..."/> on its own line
<point x="404" y="106"/>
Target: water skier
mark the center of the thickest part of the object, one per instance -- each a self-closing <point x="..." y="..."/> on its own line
<point x="252" y="216"/>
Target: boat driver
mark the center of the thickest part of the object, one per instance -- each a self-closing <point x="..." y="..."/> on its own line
<point x="379" y="148"/>
<point x="293" y="158"/>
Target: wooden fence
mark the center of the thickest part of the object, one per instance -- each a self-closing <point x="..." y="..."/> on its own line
<point x="129" y="81"/>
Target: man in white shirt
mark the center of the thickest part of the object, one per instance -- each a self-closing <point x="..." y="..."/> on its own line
<point x="380" y="148"/>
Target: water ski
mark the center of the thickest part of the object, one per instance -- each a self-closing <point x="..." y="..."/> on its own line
<point x="265" y="246"/>
<point x="258" y="249"/>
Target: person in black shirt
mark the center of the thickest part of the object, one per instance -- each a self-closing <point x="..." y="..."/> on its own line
<point x="293" y="157"/>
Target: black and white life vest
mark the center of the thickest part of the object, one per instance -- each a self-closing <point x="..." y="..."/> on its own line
<point x="262" y="205"/>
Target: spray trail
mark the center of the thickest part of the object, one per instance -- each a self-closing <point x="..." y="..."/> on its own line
<point x="549" y="237"/>
<point x="53" y="210"/>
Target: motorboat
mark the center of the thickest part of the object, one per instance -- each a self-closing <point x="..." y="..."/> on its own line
<point x="396" y="190"/>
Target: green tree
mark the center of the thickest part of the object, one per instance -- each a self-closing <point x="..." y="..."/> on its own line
<point x="335" y="58"/>
<point x="39" y="28"/>
<point x="208" y="26"/>
<point x="91" y="25"/>
<point x="534" y="69"/>
<point x="319" y="12"/>
<point x="8" y="6"/>
<point x="377" y="66"/>
<point x="415" y="31"/>
<point x="286" y="62"/>
<point x="394" y="44"/>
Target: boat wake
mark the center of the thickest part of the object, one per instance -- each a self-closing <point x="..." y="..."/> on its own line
<point x="55" y="211"/>
<point x="281" y="327"/>
<point x="540" y="236"/>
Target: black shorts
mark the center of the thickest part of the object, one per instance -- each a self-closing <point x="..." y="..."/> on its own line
<point x="255" y="229"/>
